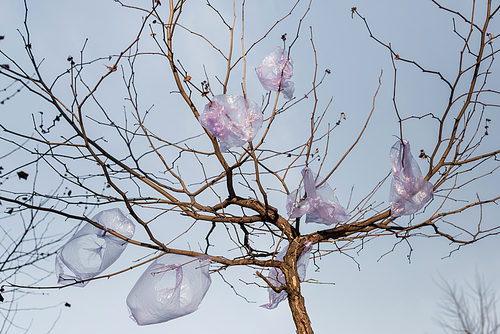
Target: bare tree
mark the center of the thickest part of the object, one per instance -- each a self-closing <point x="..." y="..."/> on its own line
<point x="469" y="311"/>
<point x="23" y="248"/>
<point x="93" y="156"/>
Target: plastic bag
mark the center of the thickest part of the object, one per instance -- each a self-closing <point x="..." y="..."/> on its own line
<point x="91" y="250"/>
<point x="409" y="191"/>
<point x="171" y="287"/>
<point x="275" y="70"/>
<point x="232" y="119"/>
<point x="277" y="278"/>
<point x="320" y="205"/>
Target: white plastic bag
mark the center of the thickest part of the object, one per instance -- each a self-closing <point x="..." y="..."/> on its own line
<point x="232" y="119"/>
<point x="171" y="287"/>
<point x="409" y="190"/>
<point x="320" y="205"/>
<point x="275" y="71"/>
<point x="277" y="278"/>
<point x="91" y="250"/>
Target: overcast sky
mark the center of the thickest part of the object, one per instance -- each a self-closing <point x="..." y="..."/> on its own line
<point x="397" y="293"/>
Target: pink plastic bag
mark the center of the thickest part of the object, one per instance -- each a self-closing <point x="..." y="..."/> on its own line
<point x="320" y="205"/>
<point x="275" y="70"/>
<point x="277" y="278"/>
<point x="91" y="250"/>
<point x="409" y="191"/>
<point x="232" y="119"/>
<point x="171" y="287"/>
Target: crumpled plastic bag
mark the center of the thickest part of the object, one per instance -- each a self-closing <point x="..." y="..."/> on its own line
<point x="277" y="278"/>
<point x="171" y="287"/>
<point x="232" y="119"/>
<point x="92" y="250"/>
<point x="320" y="204"/>
<point x="275" y="70"/>
<point x="409" y="191"/>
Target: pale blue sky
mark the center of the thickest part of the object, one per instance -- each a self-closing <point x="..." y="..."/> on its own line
<point x="388" y="295"/>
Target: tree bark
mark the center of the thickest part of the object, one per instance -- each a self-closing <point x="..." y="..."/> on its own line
<point x="295" y="299"/>
<point x="299" y="313"/>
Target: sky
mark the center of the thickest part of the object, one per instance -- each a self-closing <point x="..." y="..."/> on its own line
<point x="371" y="292"/>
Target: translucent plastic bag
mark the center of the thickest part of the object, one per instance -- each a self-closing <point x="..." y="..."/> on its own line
<point x="171" y="287"/>
<point x="320" y="205"/>
<point x="277" y="278"/>
<point x="275" y="70"/>
<point x="91" y="250"/>
<point x="409" y="191"/>
<point x="232" y="119"/>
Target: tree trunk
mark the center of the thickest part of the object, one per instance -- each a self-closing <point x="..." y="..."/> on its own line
<point x="295" y="299"/>
<point x="299" y="313"/>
